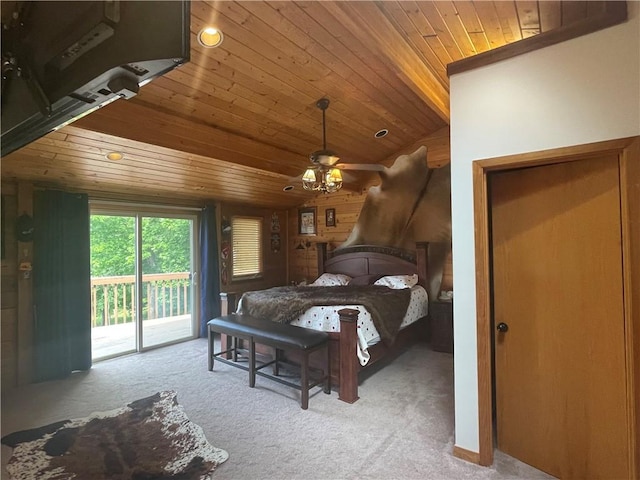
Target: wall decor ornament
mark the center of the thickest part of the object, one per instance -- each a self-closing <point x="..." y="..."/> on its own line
<point x="330" y="217"/>
<point x="275" y="223"/>
<point x="307" y="221"/>
<point x="275" y="242"/>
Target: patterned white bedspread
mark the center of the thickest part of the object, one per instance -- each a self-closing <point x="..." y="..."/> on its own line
<point x="326" y="318"/>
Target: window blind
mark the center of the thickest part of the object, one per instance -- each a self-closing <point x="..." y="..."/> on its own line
<point x="247" y="246"/>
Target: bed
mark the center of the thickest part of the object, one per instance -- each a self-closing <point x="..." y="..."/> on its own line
<point x="355" y="343"/>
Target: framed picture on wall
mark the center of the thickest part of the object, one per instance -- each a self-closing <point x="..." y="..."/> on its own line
<point x="330" y="217"/>
<point x="307" y="221"/>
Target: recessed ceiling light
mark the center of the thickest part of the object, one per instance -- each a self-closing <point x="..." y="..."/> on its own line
<point x="287" y="188"/>
<point x="115" y="156"/>
<point x="381" y="133"/>
<point x="210" y="37"/>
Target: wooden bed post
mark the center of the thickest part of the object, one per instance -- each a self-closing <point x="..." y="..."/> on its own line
<point x="322" y="256"/>
<point x="227" y="302"/>
<point x="422" y="263"/>
<point x="227" y="306"/>
<point x="348" y="390"/>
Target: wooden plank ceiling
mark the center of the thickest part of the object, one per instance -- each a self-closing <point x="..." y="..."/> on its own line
<point x="237" y="123"/>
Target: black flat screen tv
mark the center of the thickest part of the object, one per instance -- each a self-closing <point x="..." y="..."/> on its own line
<point x="62" y="60"/>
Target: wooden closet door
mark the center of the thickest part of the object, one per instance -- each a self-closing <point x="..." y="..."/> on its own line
<point x="557" y="285"/>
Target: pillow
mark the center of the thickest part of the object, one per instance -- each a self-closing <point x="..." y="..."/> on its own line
<point x="331" y="280"/>
<point x="398" y="281"/>
<point x="364" y="279"/>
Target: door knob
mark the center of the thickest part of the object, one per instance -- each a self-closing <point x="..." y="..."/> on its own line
<point x="502" y="327"/>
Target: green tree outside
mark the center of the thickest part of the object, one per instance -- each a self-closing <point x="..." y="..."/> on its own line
<point x="166" y="248"/>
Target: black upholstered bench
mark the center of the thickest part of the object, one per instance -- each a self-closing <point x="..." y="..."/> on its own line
<point x="280" y="336"/>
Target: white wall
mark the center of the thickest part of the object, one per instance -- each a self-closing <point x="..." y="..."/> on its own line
<point x="581" y="91"/>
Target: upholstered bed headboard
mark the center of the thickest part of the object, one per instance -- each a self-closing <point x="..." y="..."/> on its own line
<point x="361" y="260"/>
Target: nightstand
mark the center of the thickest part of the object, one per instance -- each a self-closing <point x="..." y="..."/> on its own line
<point x="441" y="326"/>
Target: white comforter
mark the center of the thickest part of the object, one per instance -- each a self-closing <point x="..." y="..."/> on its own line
<point x="326" y="318"/>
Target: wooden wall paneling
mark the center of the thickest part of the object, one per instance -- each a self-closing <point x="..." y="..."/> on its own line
<point x="473" y="26"/>
<point x="612" y="13"/>
<point x="237" y="122"/>
<point x="274" y="263"/>
<point x="366" y="22"/>
<point x="295" y="24"/>
<point x="500" y="22"/>
<point x="121" y="120"/>
<point x="303" y="264"/>
<point x="529" y="18"/>
<point x="9" y="287"/>
<point x="79" y="163"/>
<point x="550" y="15"/>
<point x="451" y="16"/>
<point x="573" y="11"/>
<point x="374" y="72"/>
<point x="431" y="12"/>
<point x="25" y="294"/>
<point x="421" y="33"/>
<point x="8" y="334"/>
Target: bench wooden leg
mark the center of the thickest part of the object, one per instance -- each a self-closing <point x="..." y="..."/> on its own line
<point x="252" y="363"/>
<point x="327" y="381"/>
<point x="234" y="346"/>
<point x="304" y="381"/>
<point x="276" y="358"/>
<point x="225" y="345"/>
<point x="211" y="348"/>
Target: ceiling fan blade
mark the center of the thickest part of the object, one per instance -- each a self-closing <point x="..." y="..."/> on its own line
<point x="372" y="167"/>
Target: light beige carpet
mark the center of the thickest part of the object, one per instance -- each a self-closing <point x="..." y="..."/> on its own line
<point x="402" y="426"/>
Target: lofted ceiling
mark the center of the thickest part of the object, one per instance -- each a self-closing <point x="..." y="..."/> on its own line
<point x="237" y="123"/>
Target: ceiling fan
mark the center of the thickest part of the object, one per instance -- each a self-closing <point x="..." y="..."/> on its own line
<point x="325" y="175"/>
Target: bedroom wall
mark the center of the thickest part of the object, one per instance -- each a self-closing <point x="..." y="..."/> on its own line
<point x="274" y="222"/>
<point x="581" y="91"/>
<point x="17" y="327"/>
<point x="302" y="262"/>
<point x="9" y="300"/>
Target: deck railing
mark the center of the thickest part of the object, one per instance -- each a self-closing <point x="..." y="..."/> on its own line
<point x="164" y="295"/>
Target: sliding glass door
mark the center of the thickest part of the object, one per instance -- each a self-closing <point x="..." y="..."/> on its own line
<point x="113" y="266"/>
<point x="166" y="266"/>
<point x="142" y="279"/>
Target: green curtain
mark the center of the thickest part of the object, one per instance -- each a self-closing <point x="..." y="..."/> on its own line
<point x="209" y="269"/>
<point x="62" y="284"/>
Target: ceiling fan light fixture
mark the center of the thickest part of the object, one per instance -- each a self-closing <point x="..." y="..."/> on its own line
<point x="309" y="180"/>
<point x="332" y="180"/>
<point x="328" y="158"/>
<point x="323" y="176"/>
<point x="325" y="180"/>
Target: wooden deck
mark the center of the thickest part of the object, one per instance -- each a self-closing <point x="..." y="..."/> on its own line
<point x="113" y="340"/>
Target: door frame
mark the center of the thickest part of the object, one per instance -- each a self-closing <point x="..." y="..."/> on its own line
<point x="628" y="151"/>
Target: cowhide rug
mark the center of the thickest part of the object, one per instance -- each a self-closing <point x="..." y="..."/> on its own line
<point x="151" y="438"/>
